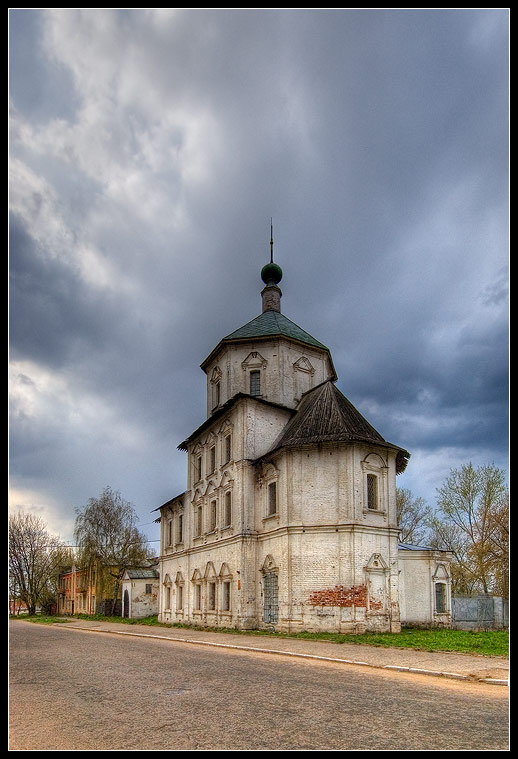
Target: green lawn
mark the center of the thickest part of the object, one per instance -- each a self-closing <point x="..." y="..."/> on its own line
<point x="486" y="642"/>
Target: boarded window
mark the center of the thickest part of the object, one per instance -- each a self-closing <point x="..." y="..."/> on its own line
<point x="255" y="383"/>
<point x="372" y="491"/>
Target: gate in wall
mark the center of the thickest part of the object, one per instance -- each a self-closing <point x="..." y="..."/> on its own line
<point x="271" y="598"/>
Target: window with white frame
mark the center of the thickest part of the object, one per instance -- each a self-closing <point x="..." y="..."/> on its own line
<point x="213" y="516"/>
<point x="440" y="597"/>
<point x="225" y="596"/>
<point x="272" y="499"/>
<point x="255" y="382"/>
<point x="372" y="492"/>
<point x="198" y="520"/>
<point x="227" y="448"/>
<point x="167" y="593"/>
<point x="197" y="597"/>
<point x="375" y="483"/>
<point x="211" y="596"/>
<point x="227" y="514"/>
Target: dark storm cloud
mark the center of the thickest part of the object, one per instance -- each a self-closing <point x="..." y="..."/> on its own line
<point x="149" y="151"/>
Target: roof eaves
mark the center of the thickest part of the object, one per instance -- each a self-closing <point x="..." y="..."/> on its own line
<point x="220" y="412"/>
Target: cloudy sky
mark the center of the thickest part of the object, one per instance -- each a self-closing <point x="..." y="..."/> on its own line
<point x="149" y="150"/>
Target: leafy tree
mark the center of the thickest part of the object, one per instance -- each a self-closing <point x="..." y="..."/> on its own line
<point x="109" y="541"/>
<point x="472" y="521"/>
<point x="412" y="516"/>
<point x="35" y="560"/>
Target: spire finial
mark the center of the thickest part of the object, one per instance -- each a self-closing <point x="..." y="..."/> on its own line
<point x="271" y="240"/>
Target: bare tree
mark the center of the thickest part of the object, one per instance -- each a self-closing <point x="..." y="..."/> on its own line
<point x="109" y="541"/>
<point x="472" y="521"/>
<point x="412" y="514"/>
<point x="35" y="560"/>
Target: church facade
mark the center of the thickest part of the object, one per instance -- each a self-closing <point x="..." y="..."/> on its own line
<point x="289" y="519"/>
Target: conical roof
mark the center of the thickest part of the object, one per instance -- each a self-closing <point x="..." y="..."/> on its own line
<point x="326" y="415"/>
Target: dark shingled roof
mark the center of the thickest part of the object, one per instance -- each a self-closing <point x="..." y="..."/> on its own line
<point x="271" y="324"/>
<point x="326" y="415"/>
<point x="267" y="325"/>
<point x="142" y="574"/>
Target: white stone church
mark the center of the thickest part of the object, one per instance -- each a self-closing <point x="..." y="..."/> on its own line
<point x="289" y="517"/>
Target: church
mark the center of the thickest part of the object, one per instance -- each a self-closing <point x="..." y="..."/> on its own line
<point x="289" y="519"/>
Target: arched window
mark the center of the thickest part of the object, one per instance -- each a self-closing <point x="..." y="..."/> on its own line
<point x="227" y="514"/>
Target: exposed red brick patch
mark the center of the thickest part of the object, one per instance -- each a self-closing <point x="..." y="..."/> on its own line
<point x="342" y="596"/>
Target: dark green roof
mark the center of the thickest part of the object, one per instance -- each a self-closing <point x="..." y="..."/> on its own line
<point x="271" y="324"/>
<point x="267" y="325"/>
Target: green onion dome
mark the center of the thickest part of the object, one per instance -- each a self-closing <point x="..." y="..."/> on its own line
<point x="271" y="273"/>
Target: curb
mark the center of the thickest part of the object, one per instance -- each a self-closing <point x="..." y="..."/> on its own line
<point x="295" y="654"/>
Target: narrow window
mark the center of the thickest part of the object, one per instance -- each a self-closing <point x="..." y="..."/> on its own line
<point x="197" y="597"/>
<point x="213" y="515"/>
<point x="440" y="598"/>
<point x="212" y="596"/>
<point x="228" y="448"/>
<point x="168" y="597"/>
<point x="217" y="394"/>
<point x="198" y="469"/>
<point x="180" y="528"/>
<point x="228" y="509"/>
<point x="255" y="383"/>
<point x="198" y="515"/>
<point x="212" y="459"/>
<point x="170" y="533"/>
<point x="149" y="589"/>
<point x="272" y="498"/>
<point x="225" y="601"/>
<point x="372" y="491"/>
<point x="179" y="597"/>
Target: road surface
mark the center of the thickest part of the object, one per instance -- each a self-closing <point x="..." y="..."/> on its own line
<point x="76" y="690"/>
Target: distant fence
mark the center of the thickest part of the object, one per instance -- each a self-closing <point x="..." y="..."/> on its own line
<point x="109" y="607"/>
<point x="480" y="612"/>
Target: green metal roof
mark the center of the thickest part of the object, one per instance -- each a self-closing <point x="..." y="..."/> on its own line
<point x="272" y="324"/>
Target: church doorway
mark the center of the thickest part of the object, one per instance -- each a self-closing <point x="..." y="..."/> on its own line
<point x="271" y="598"/>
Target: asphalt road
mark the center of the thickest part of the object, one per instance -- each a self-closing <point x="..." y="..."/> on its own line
<point x="74" y="690"/>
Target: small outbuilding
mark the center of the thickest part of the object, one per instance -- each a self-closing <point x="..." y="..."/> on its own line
<point x="140" y="592"/>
